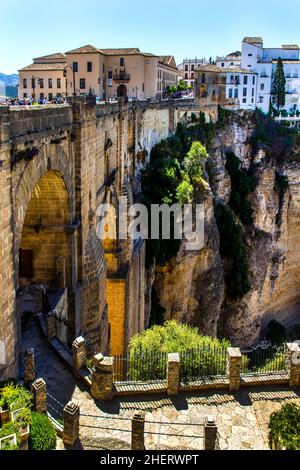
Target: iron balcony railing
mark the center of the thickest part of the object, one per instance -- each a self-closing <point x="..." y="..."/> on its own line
<point x="121" y="77"/>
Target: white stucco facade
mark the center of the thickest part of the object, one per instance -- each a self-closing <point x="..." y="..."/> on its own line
<point x="263" y="61"/>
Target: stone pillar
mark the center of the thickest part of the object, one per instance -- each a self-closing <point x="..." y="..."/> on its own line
<point x="233" y="368"/>
<point x="102" y="378"/>
<point x="173" y="373"/>
<point x="29" y="366"/>
<point x="137" y="431"/>
<point x="38" y="389"/>
<point x="71" y="423"/>
<point x="50" y="325"/>
<point x="210" y="433"/>
<point x="79" y="353"/>
<point x="61" y="272"/>
<point x="294" y="364"/>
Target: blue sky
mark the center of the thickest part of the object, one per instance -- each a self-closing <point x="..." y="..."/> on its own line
<point x="183" y="28"/>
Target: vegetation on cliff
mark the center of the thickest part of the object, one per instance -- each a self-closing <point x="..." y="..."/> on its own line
<point x="277" y="138"/>
<point x="175" y="175"/>
<point x="233" y="249"/>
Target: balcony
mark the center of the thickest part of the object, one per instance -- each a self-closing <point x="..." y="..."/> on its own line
<point x="121" y="78"/>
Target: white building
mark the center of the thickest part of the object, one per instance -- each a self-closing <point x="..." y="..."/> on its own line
<point x="232" y="60"/>
<point x="226" y="86"/>
<point x="187" y="69"/>
<point x="263" y="61"/>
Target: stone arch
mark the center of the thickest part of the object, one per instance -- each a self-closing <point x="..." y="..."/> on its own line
<point x="44" y="231"/>
<point x="53" y="158"/>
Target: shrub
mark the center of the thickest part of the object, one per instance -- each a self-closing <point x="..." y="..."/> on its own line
<point x="12" y="394"/>
<point x="284" y="428"/>
<point x="203" y="353"/>
<point x="42" y="433"/>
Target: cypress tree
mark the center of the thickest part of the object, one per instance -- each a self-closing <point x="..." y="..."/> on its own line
<point x="279" y="83"/>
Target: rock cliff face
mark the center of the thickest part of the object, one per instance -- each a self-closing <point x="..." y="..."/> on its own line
<point x="191" y="287"/>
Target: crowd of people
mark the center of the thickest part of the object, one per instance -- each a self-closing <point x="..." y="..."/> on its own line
<point x="32" y="102"/>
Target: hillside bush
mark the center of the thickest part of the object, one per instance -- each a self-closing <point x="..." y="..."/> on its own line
<point x="202" y="355"/>
<point x="284" y="428"/>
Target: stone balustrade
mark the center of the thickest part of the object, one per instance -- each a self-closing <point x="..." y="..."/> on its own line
<point x="103" y="387"/>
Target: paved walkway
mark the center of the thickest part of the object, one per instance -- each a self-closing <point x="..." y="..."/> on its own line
<point x="171" y="423"/>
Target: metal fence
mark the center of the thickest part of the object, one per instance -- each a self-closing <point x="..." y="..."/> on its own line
<point x="202" y="363"/>
<point x="264" y="359"/>
<point x="140" y="366"/>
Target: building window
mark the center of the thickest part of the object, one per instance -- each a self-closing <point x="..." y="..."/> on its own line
<point x="24" y="95"/>
<point x="186" y="75"/>
<point x="230" y="93"/>
<point x="50" y="83"/>
<point x="193" y="68"/>
<point x="253" y="80"/>
<point x="58" y="83"/>
<point x="122" y="62"/>
<point x="261" y="99"/>
<point x="42" y="96"/>
<point x="244" y="91"/>
<point x="192" y="76"/>
<point x="24" y="82"/>
<point x="75" y="66"/>
<point x="262" y="86"/>
<point x="41" y="80"/>
<point x="245" y="80"/>
<point x="90" y="66"/>
<point x="249" y="55"/>
<point x="143" y="87"/>
<point x="33" y="83"/>
<point x="236" y="93"/>
<point x="203" y="79"/>
<point x="252" y="91"/>
<point x="186" y="68"/>
<point x="82" y="84"/>
<point x="244" y="100"/>
<point x="222" y="65"/>
<point x="50" y="96"/>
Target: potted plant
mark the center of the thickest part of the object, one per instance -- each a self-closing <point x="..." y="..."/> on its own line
<point x="22" y="419"/>
<point x="9" y="442"/>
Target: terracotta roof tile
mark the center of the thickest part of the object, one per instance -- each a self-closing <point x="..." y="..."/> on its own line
<point x="44" y="66"/>
<point x="84" y="50"/>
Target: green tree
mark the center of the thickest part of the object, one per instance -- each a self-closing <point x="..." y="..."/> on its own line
<point x="278" y="90"/>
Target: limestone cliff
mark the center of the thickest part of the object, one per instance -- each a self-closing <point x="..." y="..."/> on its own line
<point x="191" y="287"/>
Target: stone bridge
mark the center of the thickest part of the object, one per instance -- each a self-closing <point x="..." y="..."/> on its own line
<point x="57" y="165"/>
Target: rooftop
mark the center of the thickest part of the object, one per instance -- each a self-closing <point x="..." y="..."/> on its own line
<point x="56" y="56"/>
<point x="44" y="66"/>
<point x="290" y="46"/>
<point x="216" y="69"/>
<point x="122" y="51"/>
<point x="253" y="40"/>
<point x="88" y="49"/>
